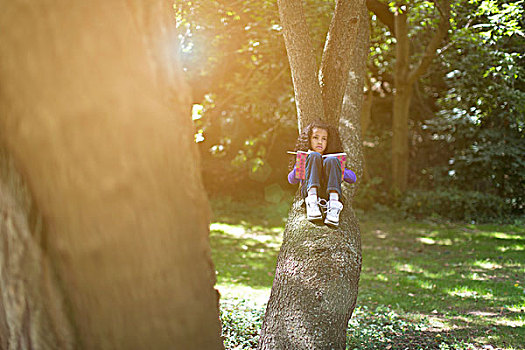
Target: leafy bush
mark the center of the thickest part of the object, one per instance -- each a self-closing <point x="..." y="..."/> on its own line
<point x="381" y="328"/>
<point x="253" y="211"/>
<point x="455" y="204"/>
<point x="241" y="323"/>
<point x="373" y="195"/>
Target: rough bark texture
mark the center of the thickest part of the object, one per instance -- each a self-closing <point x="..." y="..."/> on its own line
<point x="32" y="311"/>
<point x="351" y="114"/>
<point x="366" y="112"/>
<point x="302" y="62"/>
<point x="335" y="64"/>
<point x="104" y="221"/>
<point x="315" y="287"/>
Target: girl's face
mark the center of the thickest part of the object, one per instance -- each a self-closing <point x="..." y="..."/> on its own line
<point x="319" y="140"/>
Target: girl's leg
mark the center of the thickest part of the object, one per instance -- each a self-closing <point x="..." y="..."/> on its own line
<point x="333" y="176"/>
<point x="313" y="171"/>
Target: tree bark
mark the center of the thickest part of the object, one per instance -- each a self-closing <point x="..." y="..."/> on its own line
<point x="350" y="126"/>
<point x="315" y="287"/>
<point x="301" y="56"/>
<point x="400" y="155"/>
<point x="104" y="220"/>
<point x="366" y="112"/>
<point x="340" y="41"/>
<point x="401" y="104"/>
<point x="404" y="80"/>
<point x="382" y="11"/>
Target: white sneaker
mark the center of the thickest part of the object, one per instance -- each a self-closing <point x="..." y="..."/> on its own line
<point x="333" y="209"/>
<point x="312" y="209"/>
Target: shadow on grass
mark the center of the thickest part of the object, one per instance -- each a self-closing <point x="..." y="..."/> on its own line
<point x="465" y="281"/>
<point x="244" y="255"/>
<point x="251" y="212"/>
<point x="384" y="328"/>
<point x="470" y="277"/>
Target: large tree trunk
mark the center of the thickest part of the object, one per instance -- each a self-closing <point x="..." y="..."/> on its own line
<point x="315" y="286"/>
<point x="335" y="65"/>
<point x="104" y="221"/>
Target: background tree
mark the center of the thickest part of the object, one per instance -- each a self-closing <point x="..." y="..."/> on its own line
<point x="406" y="75"/>
<point x="479" y="128"/>
<point x="104" y="226"/>
<point x="246" y="120"/>
<point x="449" y="111"/>
<point x="315" y="286"/>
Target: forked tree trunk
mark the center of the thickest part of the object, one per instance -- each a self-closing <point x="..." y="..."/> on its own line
<point x="315" y="286"/>
<point x="103" y="217"/>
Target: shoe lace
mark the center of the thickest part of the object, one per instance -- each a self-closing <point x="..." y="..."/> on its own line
<point x="323" y="203"/>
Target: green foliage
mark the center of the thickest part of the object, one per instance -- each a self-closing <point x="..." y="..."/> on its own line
<point x="467" y="116"/>
<point x="378" y="328"/>
<point x="423" y="18"/>
<point x="482" y="115"/>
<point x="383" y="328"/>
<point x="448" y="203"/>
<point x="372" y="195"/>
<point x="454" y="204"/>
<point x="235" y="60"/>
<point x="241" y="323"/>
<point x="468" y="112"/>
<point x="423" y="285"/>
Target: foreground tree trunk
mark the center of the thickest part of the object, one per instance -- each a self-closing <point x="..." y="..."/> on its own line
<point x="316" y="280"/>
<point x="104" y="221"/>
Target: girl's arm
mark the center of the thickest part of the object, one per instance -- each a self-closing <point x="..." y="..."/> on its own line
<point x="349" y="176"/>
<point x="291" y="177"/>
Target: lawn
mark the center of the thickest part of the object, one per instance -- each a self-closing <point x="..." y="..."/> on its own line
<point x="424" y="284"/>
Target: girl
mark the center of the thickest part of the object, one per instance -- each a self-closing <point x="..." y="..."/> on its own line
<point x="323" y="175"/>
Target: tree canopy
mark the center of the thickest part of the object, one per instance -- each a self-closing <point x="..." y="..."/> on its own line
<point x="466" y="115"/>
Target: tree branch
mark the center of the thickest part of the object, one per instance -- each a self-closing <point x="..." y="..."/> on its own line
<point x="301" y="56"/>
<point x="435" y="42"/>
<point x="340" y="40"/>
<point x="382" y="11"/>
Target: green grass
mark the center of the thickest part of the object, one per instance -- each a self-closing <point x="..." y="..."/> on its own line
<point x="424" y="284"/>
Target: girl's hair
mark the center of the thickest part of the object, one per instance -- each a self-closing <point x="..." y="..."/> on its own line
<point x="333" y="144"/>
<point x="334" y="141"/>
